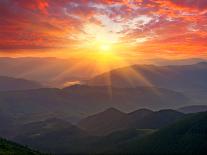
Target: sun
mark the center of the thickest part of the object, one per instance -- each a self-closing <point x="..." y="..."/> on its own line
<point x="105" y="47"/>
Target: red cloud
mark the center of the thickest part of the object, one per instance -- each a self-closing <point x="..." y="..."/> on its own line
<point x="176" y="25"/>
<point x="40" y="5"/>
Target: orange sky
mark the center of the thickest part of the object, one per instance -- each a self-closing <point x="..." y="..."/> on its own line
<point x="115" y="29"/>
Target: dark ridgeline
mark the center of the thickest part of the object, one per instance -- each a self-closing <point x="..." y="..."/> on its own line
<point x="112" y="120"/>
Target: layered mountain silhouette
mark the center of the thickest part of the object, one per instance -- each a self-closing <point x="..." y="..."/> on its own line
<point x="101" y="117"/>
<point x="112" y="120"/>
<point x="112" y="126"/>
<point x="9" y="83"/>
<point x="184" y="135"/>
<point x="179" y="78"/>
<point x="76" y="102"/>
<point x="59" y="72"/>
<point x="51" y="71"/>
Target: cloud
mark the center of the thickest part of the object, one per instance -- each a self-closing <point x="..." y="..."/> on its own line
<point x="42" y="24"/>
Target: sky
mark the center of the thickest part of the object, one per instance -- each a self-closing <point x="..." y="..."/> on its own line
<point x="104" y="28"/>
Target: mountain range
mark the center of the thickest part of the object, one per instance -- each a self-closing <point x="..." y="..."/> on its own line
<point x="100" y="116"/>
<point x="179" y="78"/>
<point x="59" y="72"/>
<point x="76" y="102"/>
<point x="60" y="136"/>
<point x="112" y="120"/>
<point x="9" y="83"/>
<point x="51" y="71"/>
<point x="184" y="135"/>
<point x="193" y="109"/>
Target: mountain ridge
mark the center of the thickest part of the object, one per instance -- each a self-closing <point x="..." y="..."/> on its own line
<point x="112" y="120"/>
<point x="10" y="83"/>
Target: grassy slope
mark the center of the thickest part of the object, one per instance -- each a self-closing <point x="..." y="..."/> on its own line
<point x="10" y="148"/>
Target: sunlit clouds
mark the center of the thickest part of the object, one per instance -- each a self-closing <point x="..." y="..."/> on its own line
<point x="146" y="28"/>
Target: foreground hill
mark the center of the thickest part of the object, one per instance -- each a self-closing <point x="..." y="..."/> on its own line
<point x="179" y="78"/>
<point x="112" y="120"/>
<point x="11" y="148"/>
<point x="187" y="136"/>
<point x="77" y="102"/>
<point x="8" y="83"/>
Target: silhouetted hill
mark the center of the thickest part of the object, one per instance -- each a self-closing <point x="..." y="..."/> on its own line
<point x="187" y="136"/>
<point x="193" y="109"/>
<point x="11" y="148"/>
<point x="9" y="83"/>
<point x="158" y="119"/>
<point x="179" y="78"/>
<point x="105" y="122"/>
<point x="113" y="120"/>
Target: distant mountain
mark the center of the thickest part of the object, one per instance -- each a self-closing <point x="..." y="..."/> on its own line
<point x="11" y="148"/>
<point x="58" y="72"/>
<point x="76" y="102"/>
<point x="179" y="78"/>
<point x="193" y="109"/>
<point x="199" y="97"/>
<point x="9" y="83"/>
<point x="112" y="120"/>
<point x="167" y="62"/>
<point x="51" y="71"/>
<point x="187" y="136"/>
